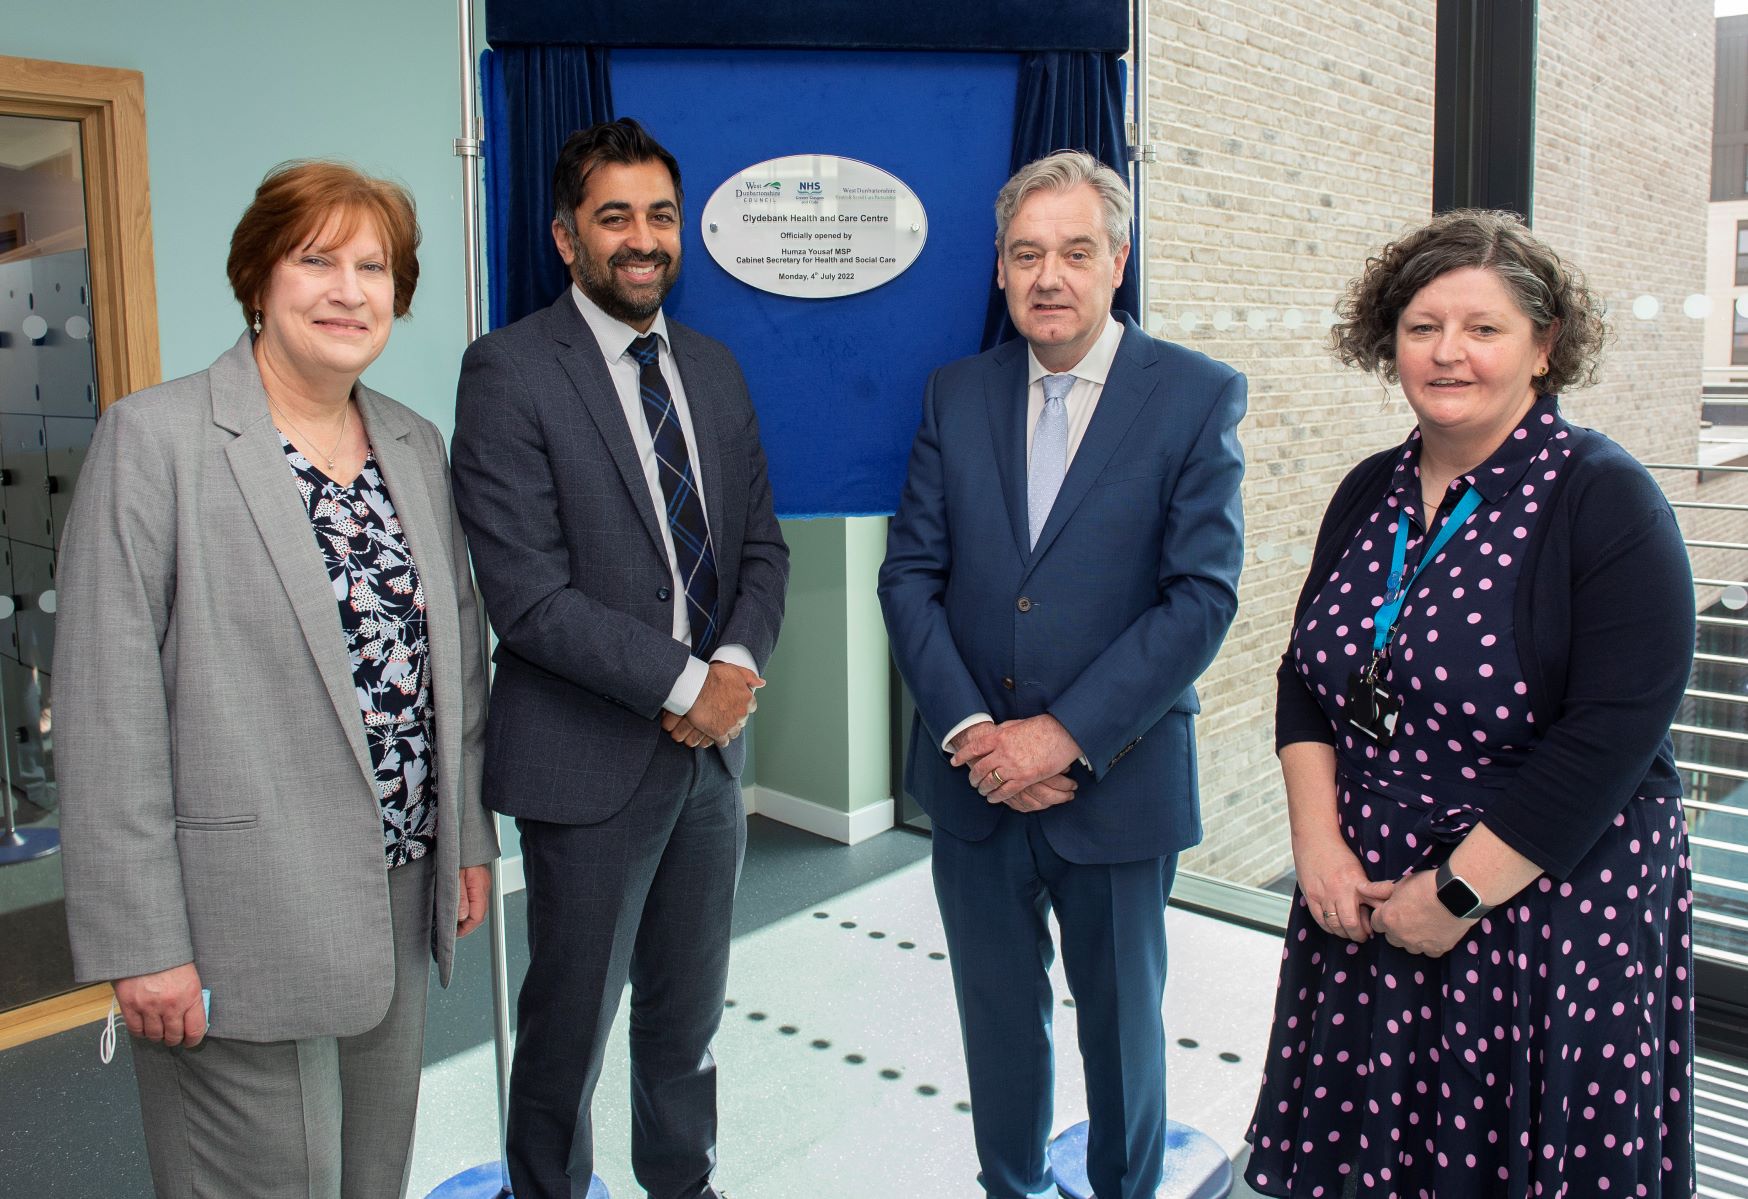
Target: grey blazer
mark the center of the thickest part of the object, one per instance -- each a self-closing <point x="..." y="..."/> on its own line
<point x="571" y="562"/>
<point x="217" y="799"/>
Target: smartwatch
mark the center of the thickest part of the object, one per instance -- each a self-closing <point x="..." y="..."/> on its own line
<point x="1458" y="896"/>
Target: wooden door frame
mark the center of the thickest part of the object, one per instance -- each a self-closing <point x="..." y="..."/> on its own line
<point x="110" y="107"/>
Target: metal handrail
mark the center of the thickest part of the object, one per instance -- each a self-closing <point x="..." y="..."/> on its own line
<point x="1706" y="805"/>
<point x="1728" y="957"/>
<point x="1727" y="1096"/>
<point x="1695" y="466"/>
<point x="1714" y="843"/>
<point x="1714" y="888"/>
<point x="1727" y="884"/>
<point x="1718" y="918"/>
<point x="1721" y="697"/>
<point x="1715" y="1115"/>
<point x="1728" y="772"/>
<point x="1702" y="731"/>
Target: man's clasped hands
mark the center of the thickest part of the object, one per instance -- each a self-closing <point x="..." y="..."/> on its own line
<point x="720" y="712"/>
<point x="1020" y="763"/>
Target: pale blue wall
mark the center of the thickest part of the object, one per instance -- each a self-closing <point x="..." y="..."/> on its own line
<point x="233" y="87"/>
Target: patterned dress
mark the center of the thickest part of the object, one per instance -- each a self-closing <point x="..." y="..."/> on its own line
<point x="1548" y="1053"/>
<point x="382" y="615"/>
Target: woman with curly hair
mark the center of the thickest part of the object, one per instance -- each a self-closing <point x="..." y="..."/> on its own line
<point x="1487" y="985"/>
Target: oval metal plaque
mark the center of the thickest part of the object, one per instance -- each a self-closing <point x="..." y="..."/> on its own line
<point x="814" y="226"/>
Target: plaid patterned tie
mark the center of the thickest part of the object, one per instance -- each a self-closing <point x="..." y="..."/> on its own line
<point x="693" y="552"/>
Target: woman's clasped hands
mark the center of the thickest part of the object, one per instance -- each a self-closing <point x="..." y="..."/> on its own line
<point x="1340" y="895"/>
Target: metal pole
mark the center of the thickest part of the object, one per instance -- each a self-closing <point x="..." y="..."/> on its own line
<point x="18" y="844"/>
<point x="1141" y="152"/>
<point x="10" y="837"/>
<point x="501" y="1018"/>
<point x="467" y="148"/>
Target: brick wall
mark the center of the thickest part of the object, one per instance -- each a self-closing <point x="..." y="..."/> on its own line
<point x="1295" y="138"/>
<point x="1623" y="175"/>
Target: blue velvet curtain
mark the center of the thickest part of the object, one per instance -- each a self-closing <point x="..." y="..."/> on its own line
<point x="1068" y="100"/>
<point x="534" y="97"/>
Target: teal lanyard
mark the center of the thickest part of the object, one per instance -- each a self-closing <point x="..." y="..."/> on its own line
<point x="1396" y="587"/>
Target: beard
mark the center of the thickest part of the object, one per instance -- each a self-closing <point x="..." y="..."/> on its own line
<point x="600" y="281"/>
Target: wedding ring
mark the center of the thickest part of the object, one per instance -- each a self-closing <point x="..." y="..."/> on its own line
<point x="996" y="775"/>
<point x="1330" y="915"/>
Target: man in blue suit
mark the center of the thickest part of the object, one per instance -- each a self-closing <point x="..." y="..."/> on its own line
<point x="1063" y="564"/>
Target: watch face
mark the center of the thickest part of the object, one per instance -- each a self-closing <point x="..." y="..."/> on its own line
<point x="1458" y="897"/>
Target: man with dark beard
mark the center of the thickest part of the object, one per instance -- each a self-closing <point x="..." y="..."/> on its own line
<point x="609" y="476"/>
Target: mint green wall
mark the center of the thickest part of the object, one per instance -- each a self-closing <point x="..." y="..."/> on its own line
<point x="232" y="89"/>
<point x="823" y="723"/>
<point x="804" y="706"/>
<point x="868" y="666"/>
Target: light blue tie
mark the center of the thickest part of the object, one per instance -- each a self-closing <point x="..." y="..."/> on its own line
<point x="1049" y="453"/>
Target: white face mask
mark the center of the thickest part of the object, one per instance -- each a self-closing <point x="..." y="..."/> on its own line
<point x="106" y="1038"/>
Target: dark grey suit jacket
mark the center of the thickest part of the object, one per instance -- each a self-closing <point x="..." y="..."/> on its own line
<point x="571" y="563"/>
<point x="217" y="796"/>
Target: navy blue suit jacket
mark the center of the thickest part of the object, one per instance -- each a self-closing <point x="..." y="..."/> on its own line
<point x="1107" y="623"/>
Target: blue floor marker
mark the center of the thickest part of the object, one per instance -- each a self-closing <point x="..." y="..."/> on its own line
<point x="1195" y="1166"/>
<point x="486" y="1181"/>
<point x="28" y="844"/>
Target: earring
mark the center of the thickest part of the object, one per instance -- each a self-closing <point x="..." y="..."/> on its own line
<point x="257" y="325"/>
<point x="1540" y="371"/>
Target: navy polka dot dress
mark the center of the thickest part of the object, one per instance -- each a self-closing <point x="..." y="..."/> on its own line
<point x="1546" y="1054"/>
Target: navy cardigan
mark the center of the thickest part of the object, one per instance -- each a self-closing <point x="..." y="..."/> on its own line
<point x="1604" y="615"/>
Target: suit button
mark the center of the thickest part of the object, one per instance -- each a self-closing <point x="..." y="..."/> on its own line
<point x="662" y="593"/>
<point x="1008" y="683"/>
<point x="1025" y="605"/>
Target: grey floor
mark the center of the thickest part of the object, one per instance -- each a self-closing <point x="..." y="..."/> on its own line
<point x="839" y="1057"/>
<point x="33" y="920"/>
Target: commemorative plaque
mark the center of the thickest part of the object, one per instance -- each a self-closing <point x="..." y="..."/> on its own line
<point x="814" y="226"/>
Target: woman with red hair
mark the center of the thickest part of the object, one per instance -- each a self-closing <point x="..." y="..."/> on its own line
<point x="272" y="694"/>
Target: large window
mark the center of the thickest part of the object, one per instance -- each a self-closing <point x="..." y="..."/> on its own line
<point x="1255" y="234"/>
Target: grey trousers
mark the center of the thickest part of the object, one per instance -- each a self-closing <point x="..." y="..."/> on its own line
<point x="322" y="1118"/>
<point x="645" y="896"/>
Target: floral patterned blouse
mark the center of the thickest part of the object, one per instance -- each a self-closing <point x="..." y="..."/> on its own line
<point x="382" y="615"/>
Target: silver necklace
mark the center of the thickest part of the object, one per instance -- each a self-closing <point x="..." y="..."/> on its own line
<point x="328" y="458"/>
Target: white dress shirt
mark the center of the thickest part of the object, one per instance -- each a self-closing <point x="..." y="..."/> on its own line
<point x="615" y="337"/>
<point x="1081" y="401"/>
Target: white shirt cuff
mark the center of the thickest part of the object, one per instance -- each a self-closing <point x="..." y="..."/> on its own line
<point x="735" y="655"/>
<point x="684" y="693"/>
<point x="974" y="718"/>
